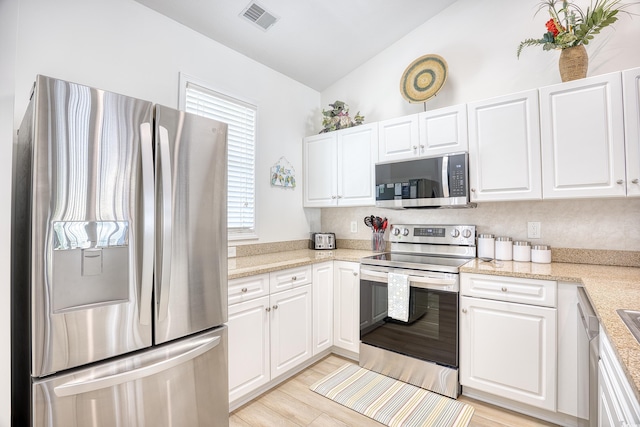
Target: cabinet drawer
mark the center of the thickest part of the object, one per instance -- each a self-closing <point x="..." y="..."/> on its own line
<point x="510" y="289"/>
<point x="290" y="278"/>
<point x="248" y="288"/>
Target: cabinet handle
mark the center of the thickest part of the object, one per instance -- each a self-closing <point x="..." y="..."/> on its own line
<point x="634" y="181"/>
<point x="244" y="290"/>
<point x="275" y="307"/>
<point x="294" y="278"/>
<point x="620" y="181"/>
<point x="504" y="289"/>
<point x="464" y="310"/>
<point x="268" y="309"/>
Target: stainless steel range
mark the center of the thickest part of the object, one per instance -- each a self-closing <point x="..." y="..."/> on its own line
<point x="409" y="305"/>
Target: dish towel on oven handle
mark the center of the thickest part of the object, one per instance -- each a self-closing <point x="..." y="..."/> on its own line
<point x="398" y="296"/>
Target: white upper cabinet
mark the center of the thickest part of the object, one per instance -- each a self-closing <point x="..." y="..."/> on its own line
<point x="583" y="138"/>
<point x="631" y="95"/>
<point x="339" y="167"/>
<point x="399" y="138"/>
<point x="427" y="134"/>
<point x="443" y="131"/>
<point x="504" y="148"/>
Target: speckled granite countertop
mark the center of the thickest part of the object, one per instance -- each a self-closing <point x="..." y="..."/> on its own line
<point x="258" y="264"/>
<point x="609" y="288"/>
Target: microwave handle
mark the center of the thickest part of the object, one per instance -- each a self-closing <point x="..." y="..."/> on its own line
<point x="445" y="176"/>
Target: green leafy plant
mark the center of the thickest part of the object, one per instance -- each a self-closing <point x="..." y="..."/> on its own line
<point x="569" y="26"/>
<point x="338" y="117"/>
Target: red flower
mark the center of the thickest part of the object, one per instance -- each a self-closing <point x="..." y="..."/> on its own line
<point x="551" y="27"/>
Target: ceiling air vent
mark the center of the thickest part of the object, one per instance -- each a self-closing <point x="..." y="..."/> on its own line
<point x="260" y="17"/>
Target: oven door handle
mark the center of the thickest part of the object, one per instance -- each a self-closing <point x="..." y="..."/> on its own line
<point x="434" y="283"/>
<point x="366" y="274"/>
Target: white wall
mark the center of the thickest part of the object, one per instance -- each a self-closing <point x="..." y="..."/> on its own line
<point x="479" y="40"/>
<point x="8" y="22"/>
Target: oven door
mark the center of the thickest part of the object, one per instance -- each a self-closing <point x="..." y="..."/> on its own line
<point x="431" y="333"/>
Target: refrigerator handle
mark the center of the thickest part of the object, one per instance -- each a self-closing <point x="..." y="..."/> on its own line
<point x="146" y="149"/>
<point x="72" y="388"/>
<point x="165" y="166"/>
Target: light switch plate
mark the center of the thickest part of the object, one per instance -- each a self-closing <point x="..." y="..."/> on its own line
<point x="354" y="226"/>
<point x="232" y="252"/>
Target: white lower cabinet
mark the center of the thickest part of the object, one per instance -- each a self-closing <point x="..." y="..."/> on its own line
<point x="617" y="404"/>
<point x="249" y="361"/>
<point x="322" y="307"/>
<point x="291" y="329"/>
<point x="346" y="308"/>
<point x="508" y="349"/>
<point x="268" y="336"/>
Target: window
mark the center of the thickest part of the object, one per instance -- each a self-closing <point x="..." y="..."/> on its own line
<point x="241" y="119"/>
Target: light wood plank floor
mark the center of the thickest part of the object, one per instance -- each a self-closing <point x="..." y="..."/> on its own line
<point x="293" y="404"/>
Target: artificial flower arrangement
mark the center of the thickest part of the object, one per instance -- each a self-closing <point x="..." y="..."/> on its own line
<point x="569" y="26"/>
<point x="338" y="117"/>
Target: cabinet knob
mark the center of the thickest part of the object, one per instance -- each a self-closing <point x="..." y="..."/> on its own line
<point x="635" y="181"/>
<point x="415" y="148"/>
<point x="473" y="190"/>
<point x="333" y="197"/>
<point x="355" y="274"/>
<point x="268" y="309"/>
<point x="422" y="148"/>
<point x="275" y="307"/>
<point x="339" y="197"/>
<point x="504" y="289"/>
<point x="243" y="290"/>
<point x="294" y="278"/>
<point x="620" y="181"/>
<point x="464" y="310"/>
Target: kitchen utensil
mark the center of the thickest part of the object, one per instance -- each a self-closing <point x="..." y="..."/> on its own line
<point x="495" y="262"/>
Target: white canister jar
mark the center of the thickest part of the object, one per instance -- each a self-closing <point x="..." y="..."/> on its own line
<point x="486" y="246"/>
<point x="541" y="254"/>
<point x="522" y="251"/>
<point x="504" y="248"/>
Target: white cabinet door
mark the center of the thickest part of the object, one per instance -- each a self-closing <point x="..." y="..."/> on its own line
<point x="443" y="131"/>
<point x="320" y="170"/>
<point x="509" y="350"/>
<point x="504" y="148"/>
<point x="399" y="138"/>
<point x="322" y="307"/>
<point x="249" y="366"/>
<point x="583" y="138"/>
<point x="291" y="329"/>
<point x="617" y="402"/>
<point x="346" y="311"/>
<point x="357" y="155"/>
<point x="631" y="96"/>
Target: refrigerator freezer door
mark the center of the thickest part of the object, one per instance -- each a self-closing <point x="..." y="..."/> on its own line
<point x="84" y="211"/>
<point x="183" y="383"/>
<point x="191" y="224"/>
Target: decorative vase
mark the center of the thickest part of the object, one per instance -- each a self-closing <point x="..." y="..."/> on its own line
<point x="573" y="63"/>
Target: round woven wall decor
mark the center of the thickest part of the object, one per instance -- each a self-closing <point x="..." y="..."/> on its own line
<point x="423" y="78"/>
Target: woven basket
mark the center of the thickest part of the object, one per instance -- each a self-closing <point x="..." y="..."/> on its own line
<point x="573" y="63"/>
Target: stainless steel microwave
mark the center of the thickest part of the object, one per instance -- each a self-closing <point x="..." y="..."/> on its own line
<point x="434" y="182"/>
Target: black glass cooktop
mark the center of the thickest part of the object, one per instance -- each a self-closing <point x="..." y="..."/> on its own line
<point x="416" y="262"/>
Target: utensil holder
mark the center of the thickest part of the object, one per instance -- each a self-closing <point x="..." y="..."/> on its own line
<point x="378" y="244"/>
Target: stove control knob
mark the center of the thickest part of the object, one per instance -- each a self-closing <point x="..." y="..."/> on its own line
<point x="466" y="233"/>
<point x="455" y="233"/>
<point x="405" y="231"/>
<point x="395" y="231"/>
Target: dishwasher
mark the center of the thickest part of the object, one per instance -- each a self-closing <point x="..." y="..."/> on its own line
<point x="588" y="355"/>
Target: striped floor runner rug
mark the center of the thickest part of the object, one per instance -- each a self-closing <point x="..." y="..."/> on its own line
<point x="391" y="402"/>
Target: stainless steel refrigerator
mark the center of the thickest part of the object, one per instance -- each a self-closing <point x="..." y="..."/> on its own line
<point x="119" y="263"/>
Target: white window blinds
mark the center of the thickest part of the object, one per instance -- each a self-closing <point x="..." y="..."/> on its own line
<point x="241" y="119"/>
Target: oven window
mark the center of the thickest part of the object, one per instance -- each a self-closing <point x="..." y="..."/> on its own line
<point x="430" y="334"/>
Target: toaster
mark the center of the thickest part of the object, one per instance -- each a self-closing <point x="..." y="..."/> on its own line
<point x="322" y="241"/>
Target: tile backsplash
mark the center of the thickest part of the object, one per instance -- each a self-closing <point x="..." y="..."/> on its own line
<point x="612" y="224"/>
